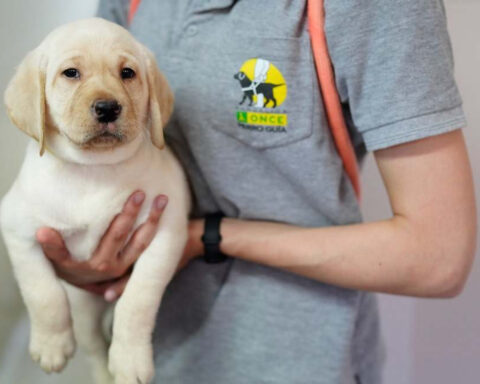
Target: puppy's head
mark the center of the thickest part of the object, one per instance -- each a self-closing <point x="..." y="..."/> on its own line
<point x="91" y="87"/>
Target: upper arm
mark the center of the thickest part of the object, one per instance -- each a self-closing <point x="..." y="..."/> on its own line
<point x="394" y="69"/>
<point x="394" y="72"/>
<point x="430" y="187"/>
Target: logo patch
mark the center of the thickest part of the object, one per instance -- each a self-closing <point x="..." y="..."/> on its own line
<point x="264" y="89"/>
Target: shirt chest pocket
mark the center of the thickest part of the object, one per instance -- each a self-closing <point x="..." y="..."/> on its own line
<point x="258" y="90"/>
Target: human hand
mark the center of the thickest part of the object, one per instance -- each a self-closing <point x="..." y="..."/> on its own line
<point x="108" y="270"/>
<point x="194" y="246"/>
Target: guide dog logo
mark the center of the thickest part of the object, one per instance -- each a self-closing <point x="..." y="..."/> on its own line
<point x="266" y="89"/>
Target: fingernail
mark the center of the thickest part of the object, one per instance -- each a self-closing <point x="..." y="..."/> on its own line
<point x="42" y="236"/>
<point x="138" y="197"/>
<point x="161" y="202"/>
<point x="110" y="295"/>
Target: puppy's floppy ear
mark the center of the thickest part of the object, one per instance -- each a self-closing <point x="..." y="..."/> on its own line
<point x="160" y="100"/>
<point x="25" y="98"/>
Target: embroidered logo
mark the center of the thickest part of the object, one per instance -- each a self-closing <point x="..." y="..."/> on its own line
<point x="264" y="89"/>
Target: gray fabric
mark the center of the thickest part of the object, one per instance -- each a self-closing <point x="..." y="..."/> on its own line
<point x="394" y="68"/>
<point x="114" y="10"/>
<point x="240" y="322"/>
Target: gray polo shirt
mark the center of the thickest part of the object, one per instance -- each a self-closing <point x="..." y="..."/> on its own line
<point x="250" y="129"/>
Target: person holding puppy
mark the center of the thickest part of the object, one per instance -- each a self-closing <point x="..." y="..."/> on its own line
<point x="292" y="302"/>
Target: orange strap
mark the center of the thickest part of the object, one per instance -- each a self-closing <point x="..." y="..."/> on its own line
<point x="326" y="79"/>
<point x="133" y="9"/>
<point x="331" y="100"/>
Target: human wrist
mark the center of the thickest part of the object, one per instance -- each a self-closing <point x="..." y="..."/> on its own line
<point x="194" y="247"/>
<point x="230" y="229"/>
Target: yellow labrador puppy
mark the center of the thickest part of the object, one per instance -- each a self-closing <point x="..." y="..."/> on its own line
<point x="94" y="101"/>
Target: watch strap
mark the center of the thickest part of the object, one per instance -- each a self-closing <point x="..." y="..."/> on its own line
<point x="211" y="239"/>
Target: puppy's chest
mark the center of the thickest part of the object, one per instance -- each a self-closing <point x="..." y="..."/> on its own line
<point x="82" y="212"/>
<point x="81" y="201"/>
<point x="82" y="220"/>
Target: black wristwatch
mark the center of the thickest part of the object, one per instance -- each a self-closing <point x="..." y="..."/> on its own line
<point x="211" y="239"/>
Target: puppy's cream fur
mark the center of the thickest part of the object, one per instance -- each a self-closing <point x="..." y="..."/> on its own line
<point x="81" y="182"/>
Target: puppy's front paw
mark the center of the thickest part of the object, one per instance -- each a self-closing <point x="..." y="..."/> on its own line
<point x="131" y="363"/>
<point x="51" y="350"/>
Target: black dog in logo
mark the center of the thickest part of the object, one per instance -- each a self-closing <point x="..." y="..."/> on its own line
<point x="249" y="89"/>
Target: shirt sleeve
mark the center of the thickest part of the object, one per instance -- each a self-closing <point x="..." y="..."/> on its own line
<point x="114" y="10"/>
<point x="393" y="66"/>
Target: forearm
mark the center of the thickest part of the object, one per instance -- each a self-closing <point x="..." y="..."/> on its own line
<point x="385" y="256"/>
<point x="425" y="249"/>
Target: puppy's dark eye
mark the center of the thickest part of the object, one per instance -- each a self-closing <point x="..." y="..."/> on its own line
<point x="127" y="73"/>
<point x="71" y="73"/>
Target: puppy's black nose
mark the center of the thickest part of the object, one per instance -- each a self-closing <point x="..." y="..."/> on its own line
<point x="106" y="111"/>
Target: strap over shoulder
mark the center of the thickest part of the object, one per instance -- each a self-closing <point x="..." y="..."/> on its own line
<point x="331" y="99"/>
<point x="132" y="9"/>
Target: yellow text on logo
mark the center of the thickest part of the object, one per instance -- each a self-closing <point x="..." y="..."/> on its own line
<point x="258" y="118"/>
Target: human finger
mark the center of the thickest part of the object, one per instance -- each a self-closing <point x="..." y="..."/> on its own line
<point x="97" y="288"/>
<point x="115" y="290"/>
<point x="144" y="234"/>
<point x="114" y="238"/>
<point x="110" y="290"/>
<point x="52" y="245"/>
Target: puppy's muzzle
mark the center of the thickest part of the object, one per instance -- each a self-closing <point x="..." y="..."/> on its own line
<point x="106" y="111"/>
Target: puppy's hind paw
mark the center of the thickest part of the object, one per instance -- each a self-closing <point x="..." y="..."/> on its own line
<point x="131" y="364"/>
<point x="52" y="350"/>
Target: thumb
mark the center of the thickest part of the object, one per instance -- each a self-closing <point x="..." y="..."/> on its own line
<point x="52" y="244"/>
